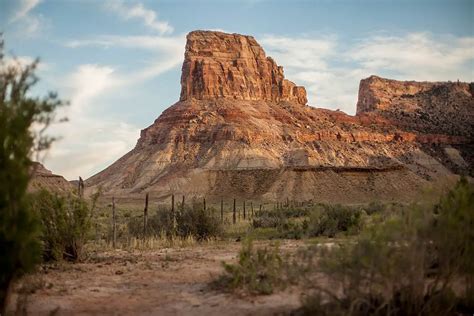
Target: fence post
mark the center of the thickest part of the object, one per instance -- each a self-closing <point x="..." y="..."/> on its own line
<point x="234" y="219"/>
<point x="244" y="211"/>
<point x="182" y="204"/>
<point x="173" y="215"/>
<point x="145" y="216"/>
<point x="222" y="211"/>
<point x="251" y="208"/>
<point x="114" y="226"/>
<point x="204" y="203"/>
<point x="80" y="187"/>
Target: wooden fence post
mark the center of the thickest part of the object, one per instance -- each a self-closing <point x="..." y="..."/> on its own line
<point x="244" y="211"/>
<point x="182" y="204"/>
<point x="204" y="203"/>
<point x="145" y="216"/>
<point x="234" y="219"/>
<point x="80" y="187"/>
<point x="251" y="208"/>
<point x="222" y="211"/>
<point x="173" y="215"/>
<point x="114" y="226"/>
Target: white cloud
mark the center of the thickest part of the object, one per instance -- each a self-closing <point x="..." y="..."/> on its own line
<point x="331" y="70"/>
<point x="89" y="141"/>
<point x="89" y="81"/>
<point x="137" y="11"/>
<point x="418" y="56"/>
<point x="301" y="53"/>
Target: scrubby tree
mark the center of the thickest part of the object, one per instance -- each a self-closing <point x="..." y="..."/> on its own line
<point x="23" y="120"/>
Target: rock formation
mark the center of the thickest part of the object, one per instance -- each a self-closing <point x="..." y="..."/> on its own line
<point x="220" y="65"/>
<point x="240" y="129"/>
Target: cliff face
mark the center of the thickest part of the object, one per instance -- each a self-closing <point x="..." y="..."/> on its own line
<point x="425" y="107"/>
<point x="220" y="65"/>
<point x="241" y="129"/>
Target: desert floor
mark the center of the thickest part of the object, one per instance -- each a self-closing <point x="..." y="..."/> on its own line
<point x="165" y="281"/>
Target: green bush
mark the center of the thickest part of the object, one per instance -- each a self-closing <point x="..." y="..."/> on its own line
<point x="409" y="265"/>
<point x="257" y="271"/>
<point x="20" y="248"/>
<point x="190" y="221"/>
<point x="66" y="222"/>
<point x="329" y="220"/>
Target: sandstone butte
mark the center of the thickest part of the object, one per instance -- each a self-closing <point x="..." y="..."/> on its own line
<point x="241" y="130"/>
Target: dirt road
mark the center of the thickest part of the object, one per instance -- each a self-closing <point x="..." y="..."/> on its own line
<point x="173" y="281"/>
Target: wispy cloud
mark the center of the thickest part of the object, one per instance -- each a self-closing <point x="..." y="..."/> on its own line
<point x="24" y="7"/>
<point x="138" y="12"/>
<point x="28" y="23"/>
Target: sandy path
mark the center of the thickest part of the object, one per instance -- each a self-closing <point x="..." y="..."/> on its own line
<point x="158" y="282"/>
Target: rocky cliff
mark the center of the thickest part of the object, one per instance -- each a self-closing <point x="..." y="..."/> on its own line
<point x="220" y="65"/>
<point x="241" y="129"/>
<point x="426" y="107"/>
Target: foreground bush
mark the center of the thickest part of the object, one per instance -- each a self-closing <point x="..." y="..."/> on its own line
<point x="19" y="245"/>
<point x="65" y="225"/>
<point x="257" y="271"/>
<point x="189" y="221"/>
<point x="409" y="265"/>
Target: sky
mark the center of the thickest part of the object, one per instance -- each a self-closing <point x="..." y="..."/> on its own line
<point x="118" y="62"/>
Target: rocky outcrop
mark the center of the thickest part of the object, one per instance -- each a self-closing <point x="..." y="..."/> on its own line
<point x="220" y="65"/>
<point x="425" y="107"/>
<point x="240" y="130"/>
<point x="42" y="178"/>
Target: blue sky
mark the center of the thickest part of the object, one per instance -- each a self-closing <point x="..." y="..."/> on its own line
<point x="118" y="62"/>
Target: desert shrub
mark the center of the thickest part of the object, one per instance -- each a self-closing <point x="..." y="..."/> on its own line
<point x="294" y="212"/>
<point x="268" y="219"/>
<point x="65" y="222"/>
<point x="190" y="221"/>
<point x="258" y="271"/>
<point x="328" y="220"/>
<point x="406" y="266"/>
<point x="324" y="220"/>
<point x="199" y="223"/>
<point x="292" y="230"/>
<point x="19" y="112"/>
<point x="374" y="207"/>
